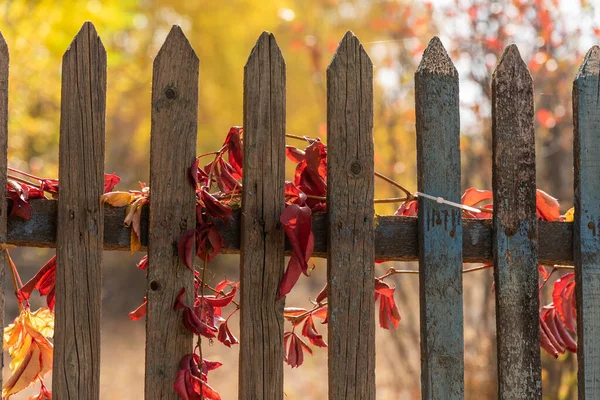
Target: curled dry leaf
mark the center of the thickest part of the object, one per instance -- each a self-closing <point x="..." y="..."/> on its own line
<point x="116" y="199"/>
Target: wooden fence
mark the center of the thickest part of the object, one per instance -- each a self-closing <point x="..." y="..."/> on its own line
<point x="514" y="240"/>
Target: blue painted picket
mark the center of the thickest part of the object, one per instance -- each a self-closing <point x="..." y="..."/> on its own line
<point x="440" y="227"/>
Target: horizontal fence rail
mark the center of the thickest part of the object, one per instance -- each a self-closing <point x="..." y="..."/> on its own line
<point x="396" y="238"/>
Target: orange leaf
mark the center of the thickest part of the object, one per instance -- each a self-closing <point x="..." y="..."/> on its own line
<point x="27" y="343"/>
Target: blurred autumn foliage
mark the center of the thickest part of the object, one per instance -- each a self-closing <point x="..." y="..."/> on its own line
<point x="552" y="36"/>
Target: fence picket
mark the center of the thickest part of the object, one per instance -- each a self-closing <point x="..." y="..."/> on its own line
<point x="350" y="256"/>
<point x="80" y="225"/>
<point x="515" y="229"/>
<point x="440" y="227"/>
<point x="262" y="255"/>
<point x="172" y="209"/>
<point x="4" y="60"/>
<point x="586" y="240"/>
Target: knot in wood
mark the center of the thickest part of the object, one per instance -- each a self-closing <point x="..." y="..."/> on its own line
<point x="591" y="225"/>
<point x="355" y="168"/>
<point x="170" y="93"/>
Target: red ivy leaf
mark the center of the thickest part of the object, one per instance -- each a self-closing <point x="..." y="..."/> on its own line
<point x="49" y="185"/>
<point x="322" y="294"/>
<point x="220" y="300"/>
<point x="234" y="147"/>
<point x="191" y="320"/>
<point x="185" y="248"/>
<point x="311" y="333"/>
<point x="44" y="281"/>
<point x="472" y="197"/>
<point x="388" y="311"/>
<point x="19" y="194"/>
<point x="297" y="222"/>
<point x="563" y="297"/>
<point x="547" y="207"/>
<point x="139" y="312"/>
<point x="293" y="195"/>
<point x="214" y="207"/>
<point x="110" y="181"/>
<point x="294" y="154"/>
<point x="295" y="350"/>
<point x="143" y="264"/>
<point x="190" y="382"/>
<point x="408" y="209"/>
<point x="290" y="277"/>
<point x="209" y="241"/>
<point x="225" y="335"/>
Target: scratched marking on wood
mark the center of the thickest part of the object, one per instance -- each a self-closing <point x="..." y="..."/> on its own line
<point x="515" y="230"/>
<point x="586" y="229"/>
<point x="440" y="228"/>
<point x="172" y="209"/>
<point x="4" y="60"/>
<point x="262" y="252"/>
<point x="350" y="206"/>
<point x="80" y="225"/>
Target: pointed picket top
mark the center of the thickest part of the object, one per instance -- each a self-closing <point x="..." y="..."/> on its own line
<point x="266" y="40"/>
<point x="344" y="49"/>
<point x="88" y="33"/>
<point x="511" y="65"/>
<point x="176" y="46"/>
<point x="436" y="60"/>
<point x="591" y="64"/>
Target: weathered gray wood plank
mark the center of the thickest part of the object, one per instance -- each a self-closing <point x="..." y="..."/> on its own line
<point x="440" y="227"/>
<point x="172" y="209"/>
<point x="514" y="230"/>
<point x="80" y="222"/>
<point x="350" y="207"/>
<point x="4" y="61"/>
<point x="586" y="229"/>
<point x="555" y="238"/>
<point x="262" y="253"/>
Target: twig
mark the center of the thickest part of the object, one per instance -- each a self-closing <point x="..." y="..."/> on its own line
<point x="409" y="195"/>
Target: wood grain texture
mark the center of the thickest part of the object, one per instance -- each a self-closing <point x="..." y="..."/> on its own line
<point x="350" y="207"/>
<point x="440" y="227"/>
<point x="262" y="253"/>
<point x="172" y="209"/>
<point x="4" y="61"/>
<point x="514" y="230"/>
<point x="80" y="222"/>
<point x="586" y="229"/>
<point x="555" y="238"/>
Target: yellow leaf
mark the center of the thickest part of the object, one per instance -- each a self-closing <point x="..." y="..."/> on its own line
<point x="27" y="344"/>
<point x="116" y="199"/>
<point x="570" y="215"/>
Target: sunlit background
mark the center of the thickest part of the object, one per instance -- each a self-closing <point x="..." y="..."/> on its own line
<point x="552" y="36"/>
